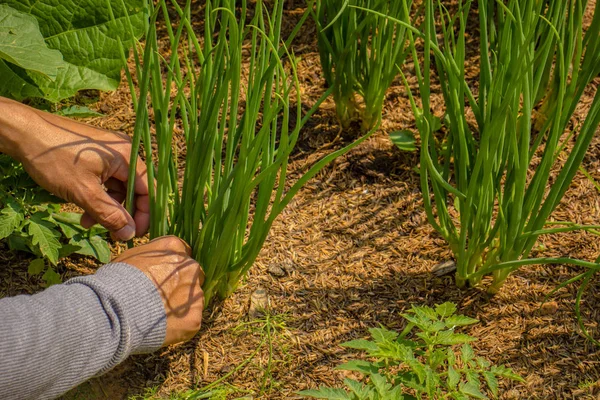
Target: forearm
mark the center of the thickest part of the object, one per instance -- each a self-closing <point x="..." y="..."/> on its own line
<point x="57" y="339"/>
<point x="16" y="120"/>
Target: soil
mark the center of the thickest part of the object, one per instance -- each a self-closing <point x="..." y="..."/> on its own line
<point x="352" y="251"/>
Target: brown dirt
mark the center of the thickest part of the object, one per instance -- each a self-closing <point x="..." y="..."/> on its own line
<point x="356" y="250"/>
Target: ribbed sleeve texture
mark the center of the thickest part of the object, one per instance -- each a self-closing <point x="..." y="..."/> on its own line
<point x="52" y="341"/>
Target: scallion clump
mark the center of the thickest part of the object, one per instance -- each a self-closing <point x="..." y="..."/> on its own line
<point x="232" y="98"/>
<point x="360" y="54"/>
<point x="496" y="171"/>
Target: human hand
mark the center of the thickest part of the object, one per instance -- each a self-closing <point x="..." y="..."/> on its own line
<point x="79" y="163"/>
<point x="178" y="278"/>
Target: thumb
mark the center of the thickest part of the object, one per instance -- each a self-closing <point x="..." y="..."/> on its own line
<point x="108" y="212"/>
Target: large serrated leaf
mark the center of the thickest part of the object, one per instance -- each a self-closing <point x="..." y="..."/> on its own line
<point x="44" y="237"/>
<point x="11" y="218"/>
<point x="22" y="44"/>
<point x="87" y="36"/>
<point x="16" y="84"/>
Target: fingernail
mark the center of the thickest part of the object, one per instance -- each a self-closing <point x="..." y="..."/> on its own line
<point x="126" y="233"/>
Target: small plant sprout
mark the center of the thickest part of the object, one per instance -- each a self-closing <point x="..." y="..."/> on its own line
<point x="434" y="363"/>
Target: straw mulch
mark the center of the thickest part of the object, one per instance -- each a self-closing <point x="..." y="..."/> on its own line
<point x="352" y="251"/>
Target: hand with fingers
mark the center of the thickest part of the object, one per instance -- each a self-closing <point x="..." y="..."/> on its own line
<point x="178" y="278"/>
<point x="81" y="164"/>
<point x="89" y="167"/>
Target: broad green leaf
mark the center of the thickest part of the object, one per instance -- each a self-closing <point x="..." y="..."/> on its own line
<point x="460" y="320"/>
<point x="404" y="140"/>
<point x="16" y="84"/>
<point x="491" y="381"/>
<point x="472" y="390"/>
<point x="36" y="266"/>
<point x="472" y="377"/>
<point x="431" y="384"/>
<point x="450" y="338"/>
<point x="467" y="353"/>
<point x="45" y="237"/>
<point x="436" y="326"/>
<point x="506" y="372"/>
<point x="78" y="112"/>
<point x="425" y="313"/>
<point x="327" y="393"/>
<point x="364" y="367"/>
<point x="19" y="242"/>
<point x="361" y="344"/>
<point x="11" y="218"/>
<point x="67" y="249"/>
<point x="382" y="334"/>
<point x="22" y="44"/>
<point x="380" y="383"/>
<point x="445" y="310"/>
<point x="396" y="394"/>
<point x="395" y="351"/>
<point x="410" y="380"/>
<point x="418" y="369"/>
<point x="437" y="358"/>
<point x="437" y="124"/>
<point x="453" y="377"/>
<point x="51" y="277"/>
<point x="451" y="357"/>
<point x="356" y="387"/>
<point x="483" y="363"/>
<point x="68" y="223"/>
<point x="93" y="246"/>
<point x="459" y="396"/>
<point x="86" y="35"/>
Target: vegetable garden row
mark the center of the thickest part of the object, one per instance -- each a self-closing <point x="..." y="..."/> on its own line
<point x="495" y="162"/>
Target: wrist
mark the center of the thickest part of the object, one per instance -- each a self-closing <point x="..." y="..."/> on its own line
<point x="16" y="120"/>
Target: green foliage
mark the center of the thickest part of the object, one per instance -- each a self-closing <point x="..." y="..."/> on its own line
<point x="22" y="44"/>
<point x="435" y="363"/>
<point x="404" y="140"/>
<point x="31" y="221"/>
<point x="236" y="154"/>
<point x="499" y="172"/>
<point x="54" y="48"/>
<point x="361" y="54"/>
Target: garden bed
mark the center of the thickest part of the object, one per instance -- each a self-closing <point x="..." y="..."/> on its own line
<point x="352" y="251"/>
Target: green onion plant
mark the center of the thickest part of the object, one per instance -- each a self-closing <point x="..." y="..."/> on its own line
<point x="491" y="185"/>
<point x="360" y="54"/>
<point x="233" y="98"/>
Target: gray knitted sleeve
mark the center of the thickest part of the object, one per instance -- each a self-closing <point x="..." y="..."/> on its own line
<point x="52" y="341"/>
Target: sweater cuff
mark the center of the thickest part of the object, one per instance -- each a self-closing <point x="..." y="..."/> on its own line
<point x="133" y="304"/>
